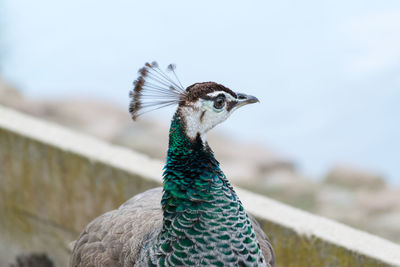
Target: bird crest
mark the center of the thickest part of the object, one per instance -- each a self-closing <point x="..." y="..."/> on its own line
<point x="155" y="89"/>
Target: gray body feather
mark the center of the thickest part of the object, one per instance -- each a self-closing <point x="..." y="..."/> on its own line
<point x="116" y="238"/>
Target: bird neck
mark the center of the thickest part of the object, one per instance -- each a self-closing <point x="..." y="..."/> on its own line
<point x="191" y="168"/>
<point x="204" y="222"/>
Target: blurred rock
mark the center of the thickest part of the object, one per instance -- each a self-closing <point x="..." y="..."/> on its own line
<point x="387" y="225"/>
<point x="354" y="178"/>
<point x="246" y="161"/>
<point x="338" y="196"/>
<point x="385" y="200"/>
<point x="95" y="117"/>
<point x="92" y="116"/>
<point x="337" y="202"/>
<point x="9" y="96"/>
<point x="285" y="185"/>
<point x="147" y="137"/>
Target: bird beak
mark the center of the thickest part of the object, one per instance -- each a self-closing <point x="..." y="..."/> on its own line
<point x="243" y="99"/>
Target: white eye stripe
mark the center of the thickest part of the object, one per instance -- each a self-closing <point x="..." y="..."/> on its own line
<point x="228" y="96"/>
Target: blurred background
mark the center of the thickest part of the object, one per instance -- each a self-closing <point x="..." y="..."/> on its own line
<point x="324" y="138"/>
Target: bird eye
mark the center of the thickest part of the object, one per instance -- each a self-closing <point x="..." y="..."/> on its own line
<point x="219" y="102"/>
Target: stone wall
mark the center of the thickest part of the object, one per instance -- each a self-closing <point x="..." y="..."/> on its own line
<point x="53" y="181"/>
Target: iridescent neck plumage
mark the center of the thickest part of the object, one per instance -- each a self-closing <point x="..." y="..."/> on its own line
<point x="191" y="166"/>
<point x="204" y="222"/>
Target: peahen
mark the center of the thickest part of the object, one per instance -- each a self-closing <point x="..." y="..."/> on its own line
<point x="196" y="219"/>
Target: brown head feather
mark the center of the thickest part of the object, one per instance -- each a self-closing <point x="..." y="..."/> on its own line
<point x="143" y="72"/>
<point x="199" y="90"/>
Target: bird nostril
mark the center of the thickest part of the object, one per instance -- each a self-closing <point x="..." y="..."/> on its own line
<point x="241" y="97"/>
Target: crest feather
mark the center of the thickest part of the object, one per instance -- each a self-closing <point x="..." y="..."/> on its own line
<point x="154" y="89"/>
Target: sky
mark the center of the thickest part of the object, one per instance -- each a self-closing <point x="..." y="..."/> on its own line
<point x="327" y="72"/>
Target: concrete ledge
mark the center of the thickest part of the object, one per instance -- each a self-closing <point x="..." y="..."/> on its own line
<point x="304" y="239"/>
<point x="53" y="181"/>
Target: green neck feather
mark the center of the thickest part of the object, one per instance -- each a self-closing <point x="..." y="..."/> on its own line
<point x="190" y="171"/>
<point x="204" y="221"/>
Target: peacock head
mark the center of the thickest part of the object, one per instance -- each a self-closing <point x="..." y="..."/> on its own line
<point x="201" y="106"/>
